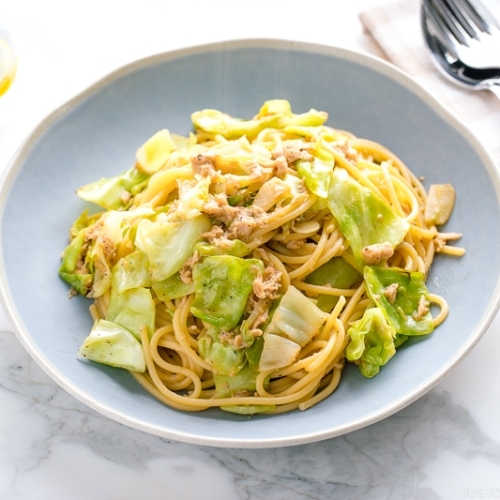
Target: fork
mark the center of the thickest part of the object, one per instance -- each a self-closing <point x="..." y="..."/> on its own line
<point x="467" y="31"/>
<point x="470" y="78"/>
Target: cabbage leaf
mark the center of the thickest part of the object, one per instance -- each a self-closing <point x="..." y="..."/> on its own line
<point x="275" y="113"/>
<point x="81" y="279"/>
<point x="111" y="344"/>
<point x="235" y="369"/>
<point x="131" y="271"/>
<point x="316" y="174"/>
<point x="155" y="152"/>
<point x="223" y="284"/>
<point x="234" y="247"/>
<point x="168" y="244"/>
<point x="223" y="358"/>
<point x="372" y="342"/>
<point x="277" y="352"/>
<point x="403" y="297"/>
<point x="336" y="273"/>
<point x="172" y="288"/>
<point x="218" y="123"/>
<point x="364" y="218"/>
<point x="296" y="318"/>
<point x="228" y="385"/>
<point x="133" y="309"/>
<point x="114" y="193"/>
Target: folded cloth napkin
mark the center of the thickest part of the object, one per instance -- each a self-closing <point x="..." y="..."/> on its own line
<point x="395" y="26"/>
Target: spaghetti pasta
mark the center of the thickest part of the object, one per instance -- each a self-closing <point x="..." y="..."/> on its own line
<point x="243" y="266"/>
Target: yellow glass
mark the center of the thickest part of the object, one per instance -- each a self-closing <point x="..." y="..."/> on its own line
<point x="8" y="65"/>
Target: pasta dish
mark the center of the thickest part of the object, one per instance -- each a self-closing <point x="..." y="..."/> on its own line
<point x="242" y="266"/>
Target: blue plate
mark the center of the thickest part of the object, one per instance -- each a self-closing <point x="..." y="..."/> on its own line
<point x="97" y="133"/>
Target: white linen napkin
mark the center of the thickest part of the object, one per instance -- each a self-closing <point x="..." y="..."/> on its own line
<point x="396" y="28"/>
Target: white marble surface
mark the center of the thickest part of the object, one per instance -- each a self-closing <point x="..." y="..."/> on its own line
<point x="446" y="445"/>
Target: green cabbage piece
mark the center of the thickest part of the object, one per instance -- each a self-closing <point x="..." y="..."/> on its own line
<point x="282" y="108"/>
<point x="275" y="107"/>
<point x="172" y="288"/>
<point x="372" y="342"/>
<point x="296" y="317"/>
<point x="224" y="359"/>
<point x="85" y="220"/>
<point x="80" y="279"/>
<point x="234" y="247"/>
<point x="115" y="225"/>
<point x="235" y="370"/>
<point x="155" y="152"/>
<point x="248" y="409"/>
<point x="114" y="193"/>
<point x="276" y="113"/>
<point x="316" y="174"/>
<point x="364" y="218"/>
<point x="336" y="273"/>
<point x="219" y="123"/>
<point x="412" y="293"/>
<point x="133" y="309"/>
<point x="278" y="351"/>
<point x="228" y="385"/>
<point x="131" y="271"/>
<point x="192" y="197"/>
<point x="223" y="284"/>
<point x="76" y="267"/>
<point x="311" y="118"/>
<point x="169" y="244"/>
<point x="101" y="268"/>
<point x="112" y="344"/>
<point x="253" y="344"/>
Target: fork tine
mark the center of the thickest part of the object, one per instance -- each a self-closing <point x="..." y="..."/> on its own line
<point x="445" y="17"/>
<point x="436" y="25"/>
<point x="463" y="18"/>
<point x="478" y="15"/>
